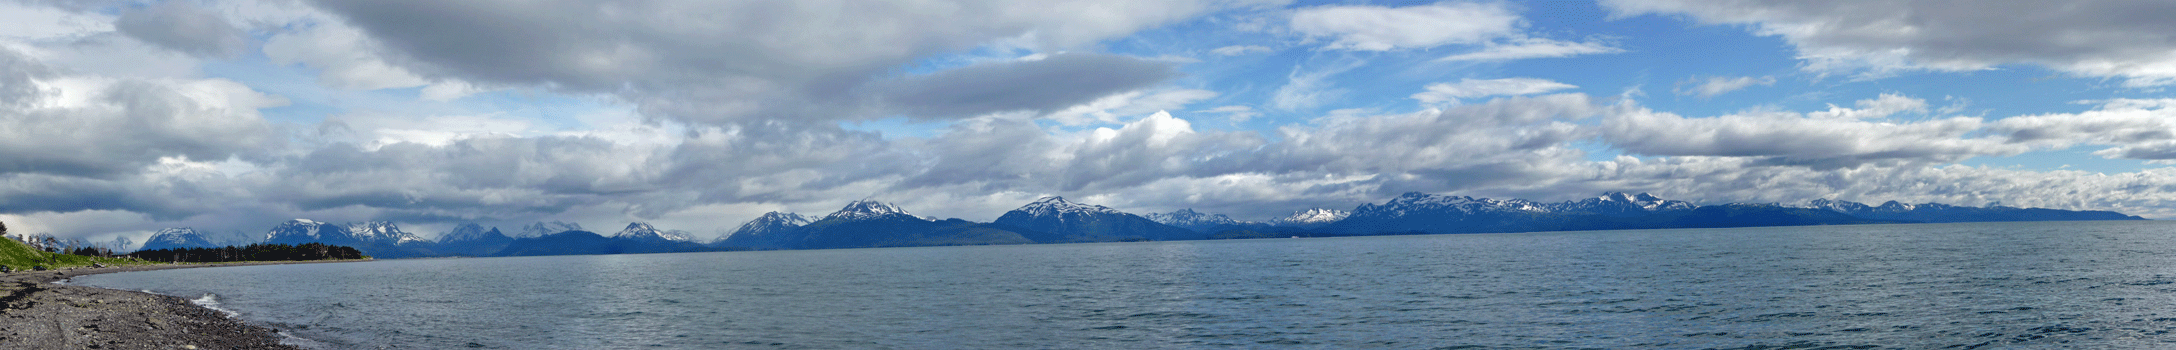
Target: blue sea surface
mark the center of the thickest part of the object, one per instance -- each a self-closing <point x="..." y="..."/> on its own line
<point x="1977" y="285"/>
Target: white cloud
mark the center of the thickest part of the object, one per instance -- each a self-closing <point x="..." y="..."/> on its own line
<point x="1838" y="137"/>
<point x="2136" y="129"/>
<point x="1525" y="48"/>
<point x="2119" y="39"/>
<point x="1236" y="50"/>
<point x="1310" y="87"/>
<point x="1450" y="93"/>
<point x="1376" y="28"/>
<point x="1237" y="114"/>
<point x="1109" y="109"/>
<point x="94" y="126"/>
<point x="1719" y="85"/>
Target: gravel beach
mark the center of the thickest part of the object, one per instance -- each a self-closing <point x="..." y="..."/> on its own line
<point x="36" y="313"/>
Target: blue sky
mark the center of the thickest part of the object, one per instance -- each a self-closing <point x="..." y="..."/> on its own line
<point x="131" y="116"/>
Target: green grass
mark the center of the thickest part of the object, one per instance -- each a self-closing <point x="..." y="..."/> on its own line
<point x="21" y="257"/>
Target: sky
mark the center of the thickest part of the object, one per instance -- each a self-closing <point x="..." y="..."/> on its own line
<point x="118" y="119"/>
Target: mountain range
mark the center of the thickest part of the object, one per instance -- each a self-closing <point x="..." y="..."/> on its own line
<point x="869" y="224"/>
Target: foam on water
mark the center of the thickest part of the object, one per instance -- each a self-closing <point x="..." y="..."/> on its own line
<point x="211" y="301"/>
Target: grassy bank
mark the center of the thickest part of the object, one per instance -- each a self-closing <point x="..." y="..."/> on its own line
<point x="22" y="257"/>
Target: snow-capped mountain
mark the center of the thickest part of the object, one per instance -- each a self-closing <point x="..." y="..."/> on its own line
<point x="470" y="232"/>
<point x="869" y="209"/>
<point x="470" y="239"/>
<point x="299" y="231"/>
<point x="1053" y="219"/>
<point x="1423" y="203"/>
<point x="1846" y="207"/>
<point x="770" y="224"/>
<point x="1316" y="216"/>
<point x="178" y="237"/>
<point x="1190" y="219"/>
<point x="542" y="228"/>
<point x="1894" y="207"/>
<point x="1938" y="212"/>
<point x="773" y="230"/>
<point x="1056" y="206"/>
<point x="644" y="232"/>
<point x="1620" y="204"/>
<point x="867" y="223"/>
<point x="381" y="232"/>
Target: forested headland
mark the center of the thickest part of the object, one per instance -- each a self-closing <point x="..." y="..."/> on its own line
<point x="253" y="252"/>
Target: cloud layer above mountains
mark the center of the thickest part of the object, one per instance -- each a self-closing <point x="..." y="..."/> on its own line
<point x="122" y="118"/>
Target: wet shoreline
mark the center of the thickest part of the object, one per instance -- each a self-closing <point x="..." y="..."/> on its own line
<point x="37" y="313"/>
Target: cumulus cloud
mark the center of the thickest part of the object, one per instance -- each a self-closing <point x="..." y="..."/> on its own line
<point x="2135" y="129"/>
<point x="1719" y="85"/>
<point x="2118" y="39"/>
<point x="61" y="124"/>
<point x="1450" y="93"/>
<point x="1838" y="137"/>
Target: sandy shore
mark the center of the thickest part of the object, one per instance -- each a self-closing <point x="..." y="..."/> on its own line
<point x="35" y="313"/>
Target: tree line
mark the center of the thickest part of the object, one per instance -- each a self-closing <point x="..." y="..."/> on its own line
<point x="253" y="252"/>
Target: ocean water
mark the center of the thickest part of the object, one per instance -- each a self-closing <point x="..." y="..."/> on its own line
<point x="1988" y="285"/>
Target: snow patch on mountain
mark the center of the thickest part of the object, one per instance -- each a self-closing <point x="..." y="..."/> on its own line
<point x="645" y="232"/>
<point x="381" y="231"/>
<point x="542" y="228"/>
<point x="769" y="223"/>
<point x="1417" y="203"/>
<point x="1618" y="203"/>
<point x="1314" y="216"/>
<point x="178" y="237"/>
<point x="1058" y="207"/>
<point x="469" y="232"/>
<point x="300" y="230"/>
<point x="1191" y="218"/>
<point x="869" y="209"/>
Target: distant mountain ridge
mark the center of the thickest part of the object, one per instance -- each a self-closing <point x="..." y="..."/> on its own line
<point x="1053" y="219"/>
<point x="1193" y="220"/>
<point x="178" y="237"/>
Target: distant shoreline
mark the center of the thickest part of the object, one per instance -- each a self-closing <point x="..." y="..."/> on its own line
<point x="37" y="313"/>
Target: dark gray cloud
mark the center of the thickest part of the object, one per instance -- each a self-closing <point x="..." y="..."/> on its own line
<point x="181" y="25"/>
<point x="712" y="62"/>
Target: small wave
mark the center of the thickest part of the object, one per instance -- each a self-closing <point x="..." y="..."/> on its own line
<point x="211" y="301"/>
<point x="289" y="339"/>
